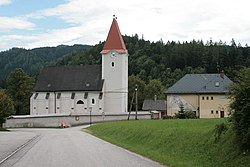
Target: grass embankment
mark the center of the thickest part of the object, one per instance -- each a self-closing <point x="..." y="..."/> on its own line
<point x="3" y="129"/>
<point x="180" y="143"/>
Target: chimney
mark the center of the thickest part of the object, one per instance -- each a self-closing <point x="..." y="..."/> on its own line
<point x="222" y="74"/>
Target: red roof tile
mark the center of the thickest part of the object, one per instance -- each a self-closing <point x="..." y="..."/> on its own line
<point x="114" y="40"/>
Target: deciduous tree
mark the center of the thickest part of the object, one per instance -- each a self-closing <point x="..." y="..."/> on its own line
<point x="6" y="107"/>
<point x="19" y="88"/>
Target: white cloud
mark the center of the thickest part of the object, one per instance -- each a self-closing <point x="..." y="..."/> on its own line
<point x="9" y="23"/>
<point x="5" y="2"/>
<point x="179" y="20"/>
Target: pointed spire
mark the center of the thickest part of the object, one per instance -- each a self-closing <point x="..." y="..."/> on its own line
<point x="114" y="40"/>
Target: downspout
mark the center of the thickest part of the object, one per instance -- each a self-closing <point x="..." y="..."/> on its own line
<point x="55" y="102"/>
<point x="199" y="107"/>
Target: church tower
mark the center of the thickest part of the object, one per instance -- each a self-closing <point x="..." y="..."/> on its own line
<point x="115" y="71"/>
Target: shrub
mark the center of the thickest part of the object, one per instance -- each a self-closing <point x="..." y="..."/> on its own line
<point x="240" y="109"/>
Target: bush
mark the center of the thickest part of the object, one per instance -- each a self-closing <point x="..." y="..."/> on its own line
<point x="240" y="109"/>
<point x="219" y="129"/>
<point x="185" y="114"/>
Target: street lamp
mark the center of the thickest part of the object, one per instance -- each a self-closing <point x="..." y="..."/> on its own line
<point x="136" y="101"/>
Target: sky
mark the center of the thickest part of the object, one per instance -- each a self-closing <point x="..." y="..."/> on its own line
<point x="39" y="23"/>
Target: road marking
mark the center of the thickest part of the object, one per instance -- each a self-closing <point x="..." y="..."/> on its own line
<point x="18" y="149"/>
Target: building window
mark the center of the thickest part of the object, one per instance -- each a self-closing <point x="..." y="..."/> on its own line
<point x="93" y="101"/>
<point x="85" y="95"/>
<point x="212" y="111"/>
<point x="207" y="98"/>
<point x="112" y="64"/>
<point x="47" y="96"/>
<point x="203" y="97"/>
<point x="80" y="102"/>
<point x="73" y="95"/>
<point x="100" y="95"/>
<point x="217" y="112"/>
<point x="35" y="95"/>
<point x="58" y="95"/>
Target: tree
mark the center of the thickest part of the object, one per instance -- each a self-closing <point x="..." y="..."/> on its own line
<point x="19" y="88"/>
<point x="6" y="107"/>
<point x="154" y="87"/>
<point x="240" y="109"/>
<point x="132" y="82"/>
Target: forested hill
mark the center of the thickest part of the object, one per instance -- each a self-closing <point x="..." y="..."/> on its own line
<point x="31" y="61"/>
<point x="169" y="61"/>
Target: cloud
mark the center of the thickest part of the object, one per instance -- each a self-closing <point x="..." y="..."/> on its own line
<point x="10" y="23"/>
<point x="88" y="22"/>
<point x="5" y="2"/>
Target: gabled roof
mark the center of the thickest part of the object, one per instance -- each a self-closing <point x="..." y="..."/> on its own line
<point x="201" y="83"/>
<point x="70" y="78"/>
<point x="154" y="105"/>
<point x="114" y="40"/>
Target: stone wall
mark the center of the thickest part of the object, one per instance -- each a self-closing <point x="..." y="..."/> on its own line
<point x="67" y="120"/>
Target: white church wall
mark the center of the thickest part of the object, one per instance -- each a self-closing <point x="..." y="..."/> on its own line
<point x="66" y="103"/>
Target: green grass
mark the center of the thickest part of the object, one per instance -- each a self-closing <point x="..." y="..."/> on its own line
<point x="3" y="129"/>
<point x="180" y="143"/>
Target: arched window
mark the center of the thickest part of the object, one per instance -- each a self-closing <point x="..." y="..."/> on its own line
<point x="112" y="64"/>
<point x="80" y="102"/>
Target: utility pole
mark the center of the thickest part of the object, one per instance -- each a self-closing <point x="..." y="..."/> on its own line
<point x="136" y="101"/>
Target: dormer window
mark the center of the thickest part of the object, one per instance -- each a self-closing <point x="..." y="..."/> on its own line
<point x="217" y="84"/>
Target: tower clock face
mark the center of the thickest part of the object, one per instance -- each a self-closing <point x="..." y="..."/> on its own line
<point x="113" y="54"/>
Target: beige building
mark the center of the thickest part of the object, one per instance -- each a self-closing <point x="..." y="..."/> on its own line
<point x="204" y="94"/>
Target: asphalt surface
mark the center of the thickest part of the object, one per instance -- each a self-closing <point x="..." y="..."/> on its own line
<point x="68" y="147"/>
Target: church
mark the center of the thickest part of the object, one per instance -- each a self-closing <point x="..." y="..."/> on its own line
<point x="99" y="89"/>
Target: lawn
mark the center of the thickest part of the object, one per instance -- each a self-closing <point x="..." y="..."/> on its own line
<point x="3" y="129"/>
<point x="180" y="143"/>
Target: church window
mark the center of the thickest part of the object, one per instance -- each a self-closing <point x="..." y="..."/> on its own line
<point x="113" y="64"/>
<point x="47" y="96"/>
<point x="80" y="102"/>
<point x="100" y="95"/>
<point x="35" y="95"/>
<point x="85" y="95"/>
<point x="58" y="95"/>
<point x="73" y="95"/>
<point x="93" y="101"/>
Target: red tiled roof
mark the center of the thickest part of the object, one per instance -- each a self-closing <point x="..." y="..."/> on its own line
<point x="114" y="40"/>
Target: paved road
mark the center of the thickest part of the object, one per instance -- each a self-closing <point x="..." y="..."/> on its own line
<point x="71" y="148"/>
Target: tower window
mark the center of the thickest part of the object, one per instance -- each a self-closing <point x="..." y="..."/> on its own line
<point x="112" y="64"/>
